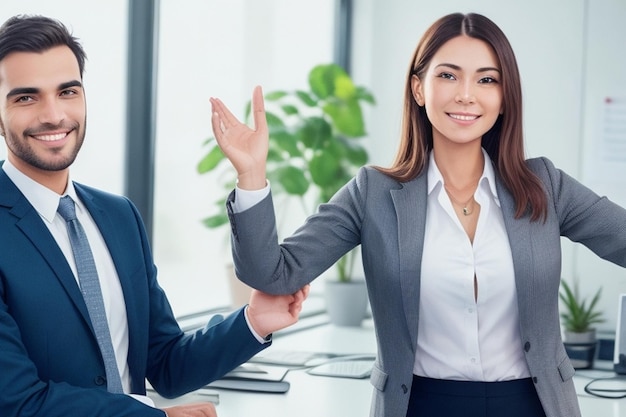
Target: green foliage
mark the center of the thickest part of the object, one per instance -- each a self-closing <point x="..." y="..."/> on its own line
<point x="314" y="142"/>
<point x="580" y="314"/>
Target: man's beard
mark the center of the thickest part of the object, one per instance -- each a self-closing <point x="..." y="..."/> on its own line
<point x="21" y="148"/>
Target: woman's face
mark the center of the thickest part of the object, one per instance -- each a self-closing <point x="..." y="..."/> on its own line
<point x="461" y="90"/>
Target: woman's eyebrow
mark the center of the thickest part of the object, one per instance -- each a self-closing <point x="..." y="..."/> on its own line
<point x="458" y="68"/>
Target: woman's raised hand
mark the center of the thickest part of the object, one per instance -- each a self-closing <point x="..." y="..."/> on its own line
<point x="245" y="147"/>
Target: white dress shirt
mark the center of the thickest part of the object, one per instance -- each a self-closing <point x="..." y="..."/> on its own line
<point x="460" y="337"/>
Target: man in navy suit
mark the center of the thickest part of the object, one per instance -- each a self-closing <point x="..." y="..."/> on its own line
<point x="50" y="361"/>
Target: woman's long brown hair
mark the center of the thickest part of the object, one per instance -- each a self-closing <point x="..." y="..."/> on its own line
<point x="504" y="142"/>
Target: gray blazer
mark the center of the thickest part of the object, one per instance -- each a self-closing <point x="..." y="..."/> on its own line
<point x="387" y="219"/>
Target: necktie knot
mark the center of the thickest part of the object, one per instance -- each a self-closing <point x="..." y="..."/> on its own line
<point x="66" y="209"/>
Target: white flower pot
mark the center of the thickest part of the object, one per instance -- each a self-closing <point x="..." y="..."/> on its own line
<point x="346" y="302"/>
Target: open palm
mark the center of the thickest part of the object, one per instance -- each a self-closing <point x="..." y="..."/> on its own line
<point x="245" y="147"/>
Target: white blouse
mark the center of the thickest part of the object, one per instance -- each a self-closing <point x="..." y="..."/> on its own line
<point x="460" y="337"/>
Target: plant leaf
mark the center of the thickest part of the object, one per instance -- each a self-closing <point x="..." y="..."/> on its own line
<point x="292" y="180"/>
<point x="362" y="94"/>
<point x="275" y="95"/>
<point x="322" y="80"/>
<point x="314" y="132"/>
<point x="274" y="122"/>
<point x="306" y="98"/>
<point x="324" y="167"/>
<point x="290" y="109"/>
<point x="355" y="154"/>
<point x="210" y="160"/>
<point x="580" y="314"/>
<point x="215" y="221"/>
<point x="285" y="141"/>
<point x="347" y="117"/>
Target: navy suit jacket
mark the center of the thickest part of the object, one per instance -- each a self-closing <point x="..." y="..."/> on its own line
<point x="50" y="364"/>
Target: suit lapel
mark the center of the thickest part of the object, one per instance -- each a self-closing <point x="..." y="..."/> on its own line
<point x="410" y="204"/>
<point x="30" y="223"/>
<point x="519" y="234"/>
<point x="112" y="234"/>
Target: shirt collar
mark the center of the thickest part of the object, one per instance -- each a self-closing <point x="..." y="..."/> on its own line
<point x="488" y="176"/>
<point x="44" y="200"/>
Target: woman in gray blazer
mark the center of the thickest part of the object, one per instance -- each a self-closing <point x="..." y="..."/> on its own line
<point x="460" y="237"/>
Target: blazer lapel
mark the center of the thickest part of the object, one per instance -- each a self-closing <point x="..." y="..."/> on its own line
<point x="111" y="234"/>
<point x="519" y="233"/>
<point x="410" y="204"/>
<point x="30" y="223"/>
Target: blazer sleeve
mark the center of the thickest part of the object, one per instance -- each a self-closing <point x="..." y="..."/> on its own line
<point x="314" y="247"/>
<point x="584" y="216"/>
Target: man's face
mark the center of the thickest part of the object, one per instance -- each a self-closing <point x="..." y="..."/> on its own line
<point x="42" y="109"/>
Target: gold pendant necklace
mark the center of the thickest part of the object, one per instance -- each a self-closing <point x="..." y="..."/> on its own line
<point x="466" y="210"/>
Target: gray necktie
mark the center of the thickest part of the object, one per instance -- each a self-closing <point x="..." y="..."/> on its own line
<point x="90" y="287"/>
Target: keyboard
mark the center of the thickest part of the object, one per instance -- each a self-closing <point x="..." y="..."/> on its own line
<point x="286" y="358"/>
<point x="357" y="368"/>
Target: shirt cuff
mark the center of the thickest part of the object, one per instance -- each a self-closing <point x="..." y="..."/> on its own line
<point x="244" y="199"/>
<point x="255" y="334"/>
<point x="143" y="399"/>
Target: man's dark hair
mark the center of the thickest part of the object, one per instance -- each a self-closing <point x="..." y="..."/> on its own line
<point x="31" y="33"/>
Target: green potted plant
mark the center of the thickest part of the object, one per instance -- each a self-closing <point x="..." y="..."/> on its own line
<point x="579" y="315"/>
<point x="314" y="145"/>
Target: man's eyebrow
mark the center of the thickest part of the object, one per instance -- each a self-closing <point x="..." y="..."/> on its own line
<point x="457" y="68"/>
<point x="22" y="90"/>
<point x="73" y="83"/>
<point x="32" y="90"/>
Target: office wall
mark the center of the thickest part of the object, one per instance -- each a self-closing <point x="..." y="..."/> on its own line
<point x="603" y="162"/>
<point x="570" y="54"/>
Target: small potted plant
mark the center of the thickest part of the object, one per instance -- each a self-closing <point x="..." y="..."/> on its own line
<point x="578" y="318"/>
<point x="314" y="149"/>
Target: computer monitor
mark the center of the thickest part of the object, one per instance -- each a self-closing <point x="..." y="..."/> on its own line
<point x="619" y="358"/>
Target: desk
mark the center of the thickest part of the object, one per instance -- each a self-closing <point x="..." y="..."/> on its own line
<point x="315" y="396"/>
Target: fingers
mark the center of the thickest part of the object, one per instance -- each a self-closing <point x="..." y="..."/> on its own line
<point x="295" y="306"/>
<point x="222" y="118"/>
<point x="227" y="118"/>
<point x="258" y="107"/>
<point x="216" y="125"/>
<point x="192" y="410"/>
<point x="302" y="293"/>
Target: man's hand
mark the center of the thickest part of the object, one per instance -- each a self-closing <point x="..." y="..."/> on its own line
<point x="269" y="313"/>
<point x="192" y="410"/>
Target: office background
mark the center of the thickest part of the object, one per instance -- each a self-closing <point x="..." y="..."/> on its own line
<point x="570" y="52"/>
